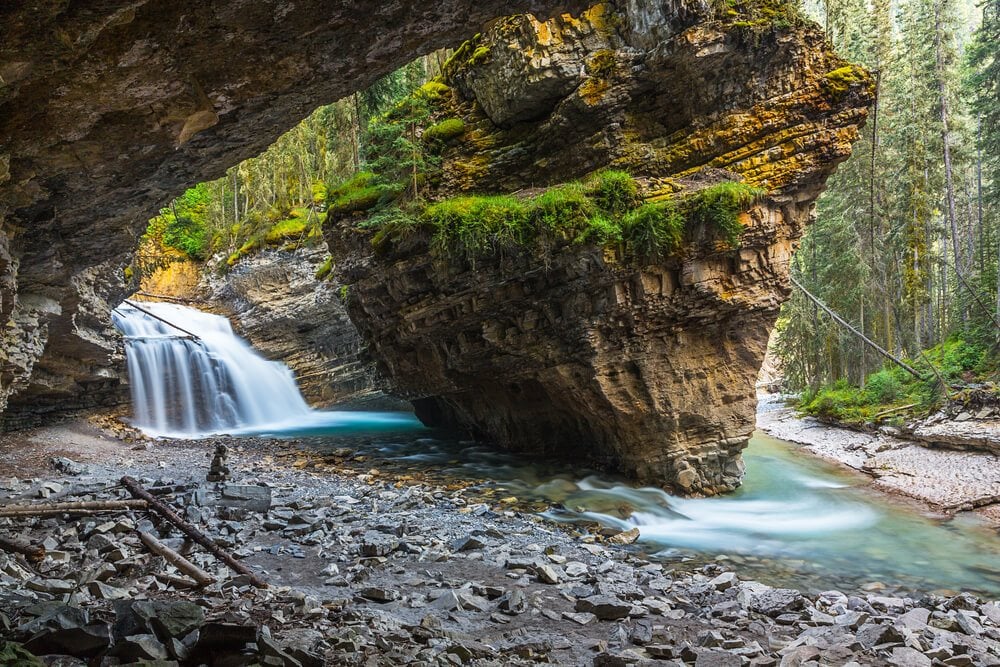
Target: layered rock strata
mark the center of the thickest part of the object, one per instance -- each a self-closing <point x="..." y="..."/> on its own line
<point x="275" y="301"/>
<point x="109" y="110"/>
<point x="577" y="349"/>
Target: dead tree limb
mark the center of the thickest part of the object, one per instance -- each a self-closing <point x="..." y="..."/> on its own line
<point x="73" y="507"/>
<point x="196" y="535"/>
<point x="166" y="297"/>
<point x="944" y="385"/>
<point x="175" y="580"/>
<point x="34" y="554"/>
<point x="898" y="408"/>
<point x="180" y="562"/>
<point x="167" y="322"/>
<point x="868" y="341"/>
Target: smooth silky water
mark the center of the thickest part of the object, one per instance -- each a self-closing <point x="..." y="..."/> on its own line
<point x="796" y="521"/>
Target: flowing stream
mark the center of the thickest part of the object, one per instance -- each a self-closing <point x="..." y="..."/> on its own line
<point x="796" y="520"/>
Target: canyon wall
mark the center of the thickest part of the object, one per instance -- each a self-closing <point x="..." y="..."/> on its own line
<point x="575" y="348"/>
<point x="275" y="301"/>
<point x="109" y="110"/>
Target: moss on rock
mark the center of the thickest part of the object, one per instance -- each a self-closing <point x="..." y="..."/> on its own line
<point x="445" y="130"/>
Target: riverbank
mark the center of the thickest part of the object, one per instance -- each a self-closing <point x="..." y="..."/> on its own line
<point x="389" y="568"/>
<point x="948" y="480"/>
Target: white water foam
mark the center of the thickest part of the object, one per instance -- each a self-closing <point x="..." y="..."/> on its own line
<point x="192" y="376"/>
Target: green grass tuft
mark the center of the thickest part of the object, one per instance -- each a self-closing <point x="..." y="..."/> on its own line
<point x="475" y="224"/>
<point x="616" y="192"/>
<point x="653" y="231"/>
<point x="606" y="210"/>
<point x="565" y="210"/>
<point x="720" y="205"/>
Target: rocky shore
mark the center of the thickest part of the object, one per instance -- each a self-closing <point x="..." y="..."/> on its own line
<point x="382" y="568"/>
<point x="937" y="462"/>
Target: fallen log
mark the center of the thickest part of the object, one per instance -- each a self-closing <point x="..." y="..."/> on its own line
<point x="34" y="554"/>
<point x="201" y="577"/>
<point x="41" y="514"/>
<point x="899" y="408"/>
<point x="167" y="322"/>
<point x="175" y="581"/>
<point x="196" y="535"/>
<point x="73" y="507"/>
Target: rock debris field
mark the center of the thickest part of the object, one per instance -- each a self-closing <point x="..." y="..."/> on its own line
<point x="385" y="569"/>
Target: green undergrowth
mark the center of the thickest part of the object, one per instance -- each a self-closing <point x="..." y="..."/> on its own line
<point x="754" y="18"/>
<point x="892" y="394"/>
<point x="182" y="226"/>
<point x="286" y="230"/>
<point x="605" y="210"/>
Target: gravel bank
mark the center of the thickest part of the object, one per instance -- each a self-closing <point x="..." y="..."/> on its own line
<point x="949" y="480"/>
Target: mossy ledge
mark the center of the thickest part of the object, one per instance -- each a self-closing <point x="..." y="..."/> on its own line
<point x="593" y="265"/>
<point x="606" y="211"/>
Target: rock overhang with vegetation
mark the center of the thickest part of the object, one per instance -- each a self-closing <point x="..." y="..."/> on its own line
<point x="577" y="238"/>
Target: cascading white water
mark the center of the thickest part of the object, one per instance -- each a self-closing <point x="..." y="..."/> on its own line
<point x="209" y="382"/>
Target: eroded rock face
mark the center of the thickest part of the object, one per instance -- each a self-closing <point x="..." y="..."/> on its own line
<point x="649" y="369"/>
<point x="109" y="110"/>
<point x="275" y="301"/>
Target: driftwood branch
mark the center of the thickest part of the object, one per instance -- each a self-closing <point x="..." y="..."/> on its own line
<point x="34" y="554"/>
<point x="196" y="535"/>
<point x="83" y="507"/>
<point x="175" y="580"/>
<point x="868" y="341"/>
<point x="157" y="317"/>
<point x="167" y="297"/>
<point x="180" y="562"/>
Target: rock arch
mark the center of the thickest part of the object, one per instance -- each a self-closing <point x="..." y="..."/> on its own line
<point x="109" y="110"/>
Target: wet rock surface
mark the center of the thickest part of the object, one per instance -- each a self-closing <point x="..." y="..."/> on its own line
<point x="374" y="568"/>
<point x="275" y="301"/>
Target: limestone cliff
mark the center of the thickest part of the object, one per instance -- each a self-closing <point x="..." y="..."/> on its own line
<point x="644" y="366"/>
<point x="275" y="301"/>
<point x="108" y="110"/>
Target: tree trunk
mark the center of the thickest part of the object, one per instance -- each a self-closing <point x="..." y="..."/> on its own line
<point x="948" y="174"/>
<point x="236" y="198"/>
<point x="868" y="341"/>
<point x="356" y="132"/>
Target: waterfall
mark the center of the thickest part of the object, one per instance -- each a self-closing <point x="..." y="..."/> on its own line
<point x="198" y="377"/>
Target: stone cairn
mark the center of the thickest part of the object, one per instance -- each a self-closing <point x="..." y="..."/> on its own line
<point x="219" y="472"/>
